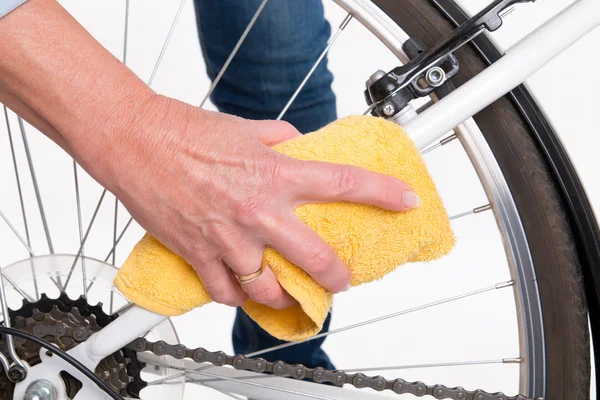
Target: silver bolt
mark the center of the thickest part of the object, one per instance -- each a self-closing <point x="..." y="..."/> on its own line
<point x="41" y="390"/>
<point x="388" y="109"/>
<point x="435" y="76"/>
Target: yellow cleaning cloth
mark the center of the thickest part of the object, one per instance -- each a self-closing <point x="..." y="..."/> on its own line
<point x="370" y="240"/>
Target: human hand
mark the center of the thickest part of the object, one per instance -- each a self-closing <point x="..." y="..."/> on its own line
<point x="205" y="184"/>
<point x="209" y="187"/>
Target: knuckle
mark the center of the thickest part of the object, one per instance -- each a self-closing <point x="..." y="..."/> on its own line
<point x="284" y="125"/>
<point x="271" y="168"/>
<point x="222" y="294"/>
<point x="247" y="210"/>
<point x="226" y="298"/>
<point x="320" y="260"/>
<point x="386" y="194"/>
<point x="346" y="180"/>
<point x="266" y="295"/>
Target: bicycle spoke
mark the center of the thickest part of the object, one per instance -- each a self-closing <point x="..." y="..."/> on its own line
<point x="233" y="396"/>
<point x="87" y="232"/>
<point x="126" y="32"/>
<point x="354" y="370"/>
<point x="17" y="176"/>
<point x="125" y="45"/>
<point x="245" y="382"/>
<point x="166" y="44"/>
<point x="234" y="51"/>
<point x="14" y="230"/>
<point x="118" y="240"/>
<point x="123" y="309"/>
<point x="114" y="255"/>
<point x="441" y="143"/>
<point x="471" y="212"/>
<point x="38" y="196"/>
<point x="18" y="289"/>
<point x="388" y="316"/>
<point x="369" y="109"/>
<point x="80" y="227"/>
<point x="112" y="250"/>
<point x="21" y="201"/>
<point x="447" y="300"/>
<point x="35" y="186"/>
<point x="315" y="65"/>
<point x="436" y="365"/>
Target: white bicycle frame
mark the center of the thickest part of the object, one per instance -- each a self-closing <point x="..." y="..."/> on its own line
<point x="521" y="61"/>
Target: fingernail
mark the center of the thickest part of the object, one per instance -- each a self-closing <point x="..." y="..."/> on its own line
<point x="411" y="200"/>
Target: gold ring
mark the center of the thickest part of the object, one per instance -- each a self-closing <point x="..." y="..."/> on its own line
<point x="245" y="279"/>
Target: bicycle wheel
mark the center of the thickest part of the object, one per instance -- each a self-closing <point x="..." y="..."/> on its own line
<point x="538" y="202"/>
<point x="540" y="250"/>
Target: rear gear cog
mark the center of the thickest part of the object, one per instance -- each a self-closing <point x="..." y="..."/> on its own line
<point x="66" y="323"/>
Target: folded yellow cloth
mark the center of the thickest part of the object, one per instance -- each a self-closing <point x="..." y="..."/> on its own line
<point x="370" y="240"/>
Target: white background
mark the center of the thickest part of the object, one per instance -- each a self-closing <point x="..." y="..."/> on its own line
<point x="566" y="88"/>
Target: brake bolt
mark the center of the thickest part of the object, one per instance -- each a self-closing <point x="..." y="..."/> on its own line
<point x="435" y="76"/>
<point x="388" y="109"/>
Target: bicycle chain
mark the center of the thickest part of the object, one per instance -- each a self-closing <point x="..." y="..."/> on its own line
<point x="317" y="375"/>
<point x="283" y="369"/>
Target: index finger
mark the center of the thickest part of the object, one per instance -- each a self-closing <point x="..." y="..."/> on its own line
<point x="328" y="182"/>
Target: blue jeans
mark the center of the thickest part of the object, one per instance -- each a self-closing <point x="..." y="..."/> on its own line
<point x="286" y="40"/>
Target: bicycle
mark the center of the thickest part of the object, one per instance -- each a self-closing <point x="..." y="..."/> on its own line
<point x="546" y="222"/>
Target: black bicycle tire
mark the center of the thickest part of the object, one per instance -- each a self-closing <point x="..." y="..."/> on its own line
<point x="539" y="201"/>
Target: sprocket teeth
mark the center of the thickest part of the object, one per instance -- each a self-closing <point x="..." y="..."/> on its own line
<point x="121" y="368"/>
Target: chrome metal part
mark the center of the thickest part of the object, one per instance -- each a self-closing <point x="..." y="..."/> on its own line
<point x="435" y="76"/>
<point x="41" y="390"/>
<point x="388" y="110"/>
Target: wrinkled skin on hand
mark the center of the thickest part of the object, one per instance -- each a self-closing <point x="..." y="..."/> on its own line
<point x="210" y="188"/>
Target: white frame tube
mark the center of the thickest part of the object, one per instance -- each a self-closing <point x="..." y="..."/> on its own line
<point x="133" y="324"/>
<point x="520" y="62"/>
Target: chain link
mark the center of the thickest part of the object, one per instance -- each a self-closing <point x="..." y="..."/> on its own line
<point x="317" y="375"/>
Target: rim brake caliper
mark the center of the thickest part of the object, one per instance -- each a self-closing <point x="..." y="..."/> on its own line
<point x="389" y="94"/>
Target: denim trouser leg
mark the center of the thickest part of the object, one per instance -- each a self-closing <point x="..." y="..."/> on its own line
<point x="280" y="49"/>
<point x="278" y="52"/>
